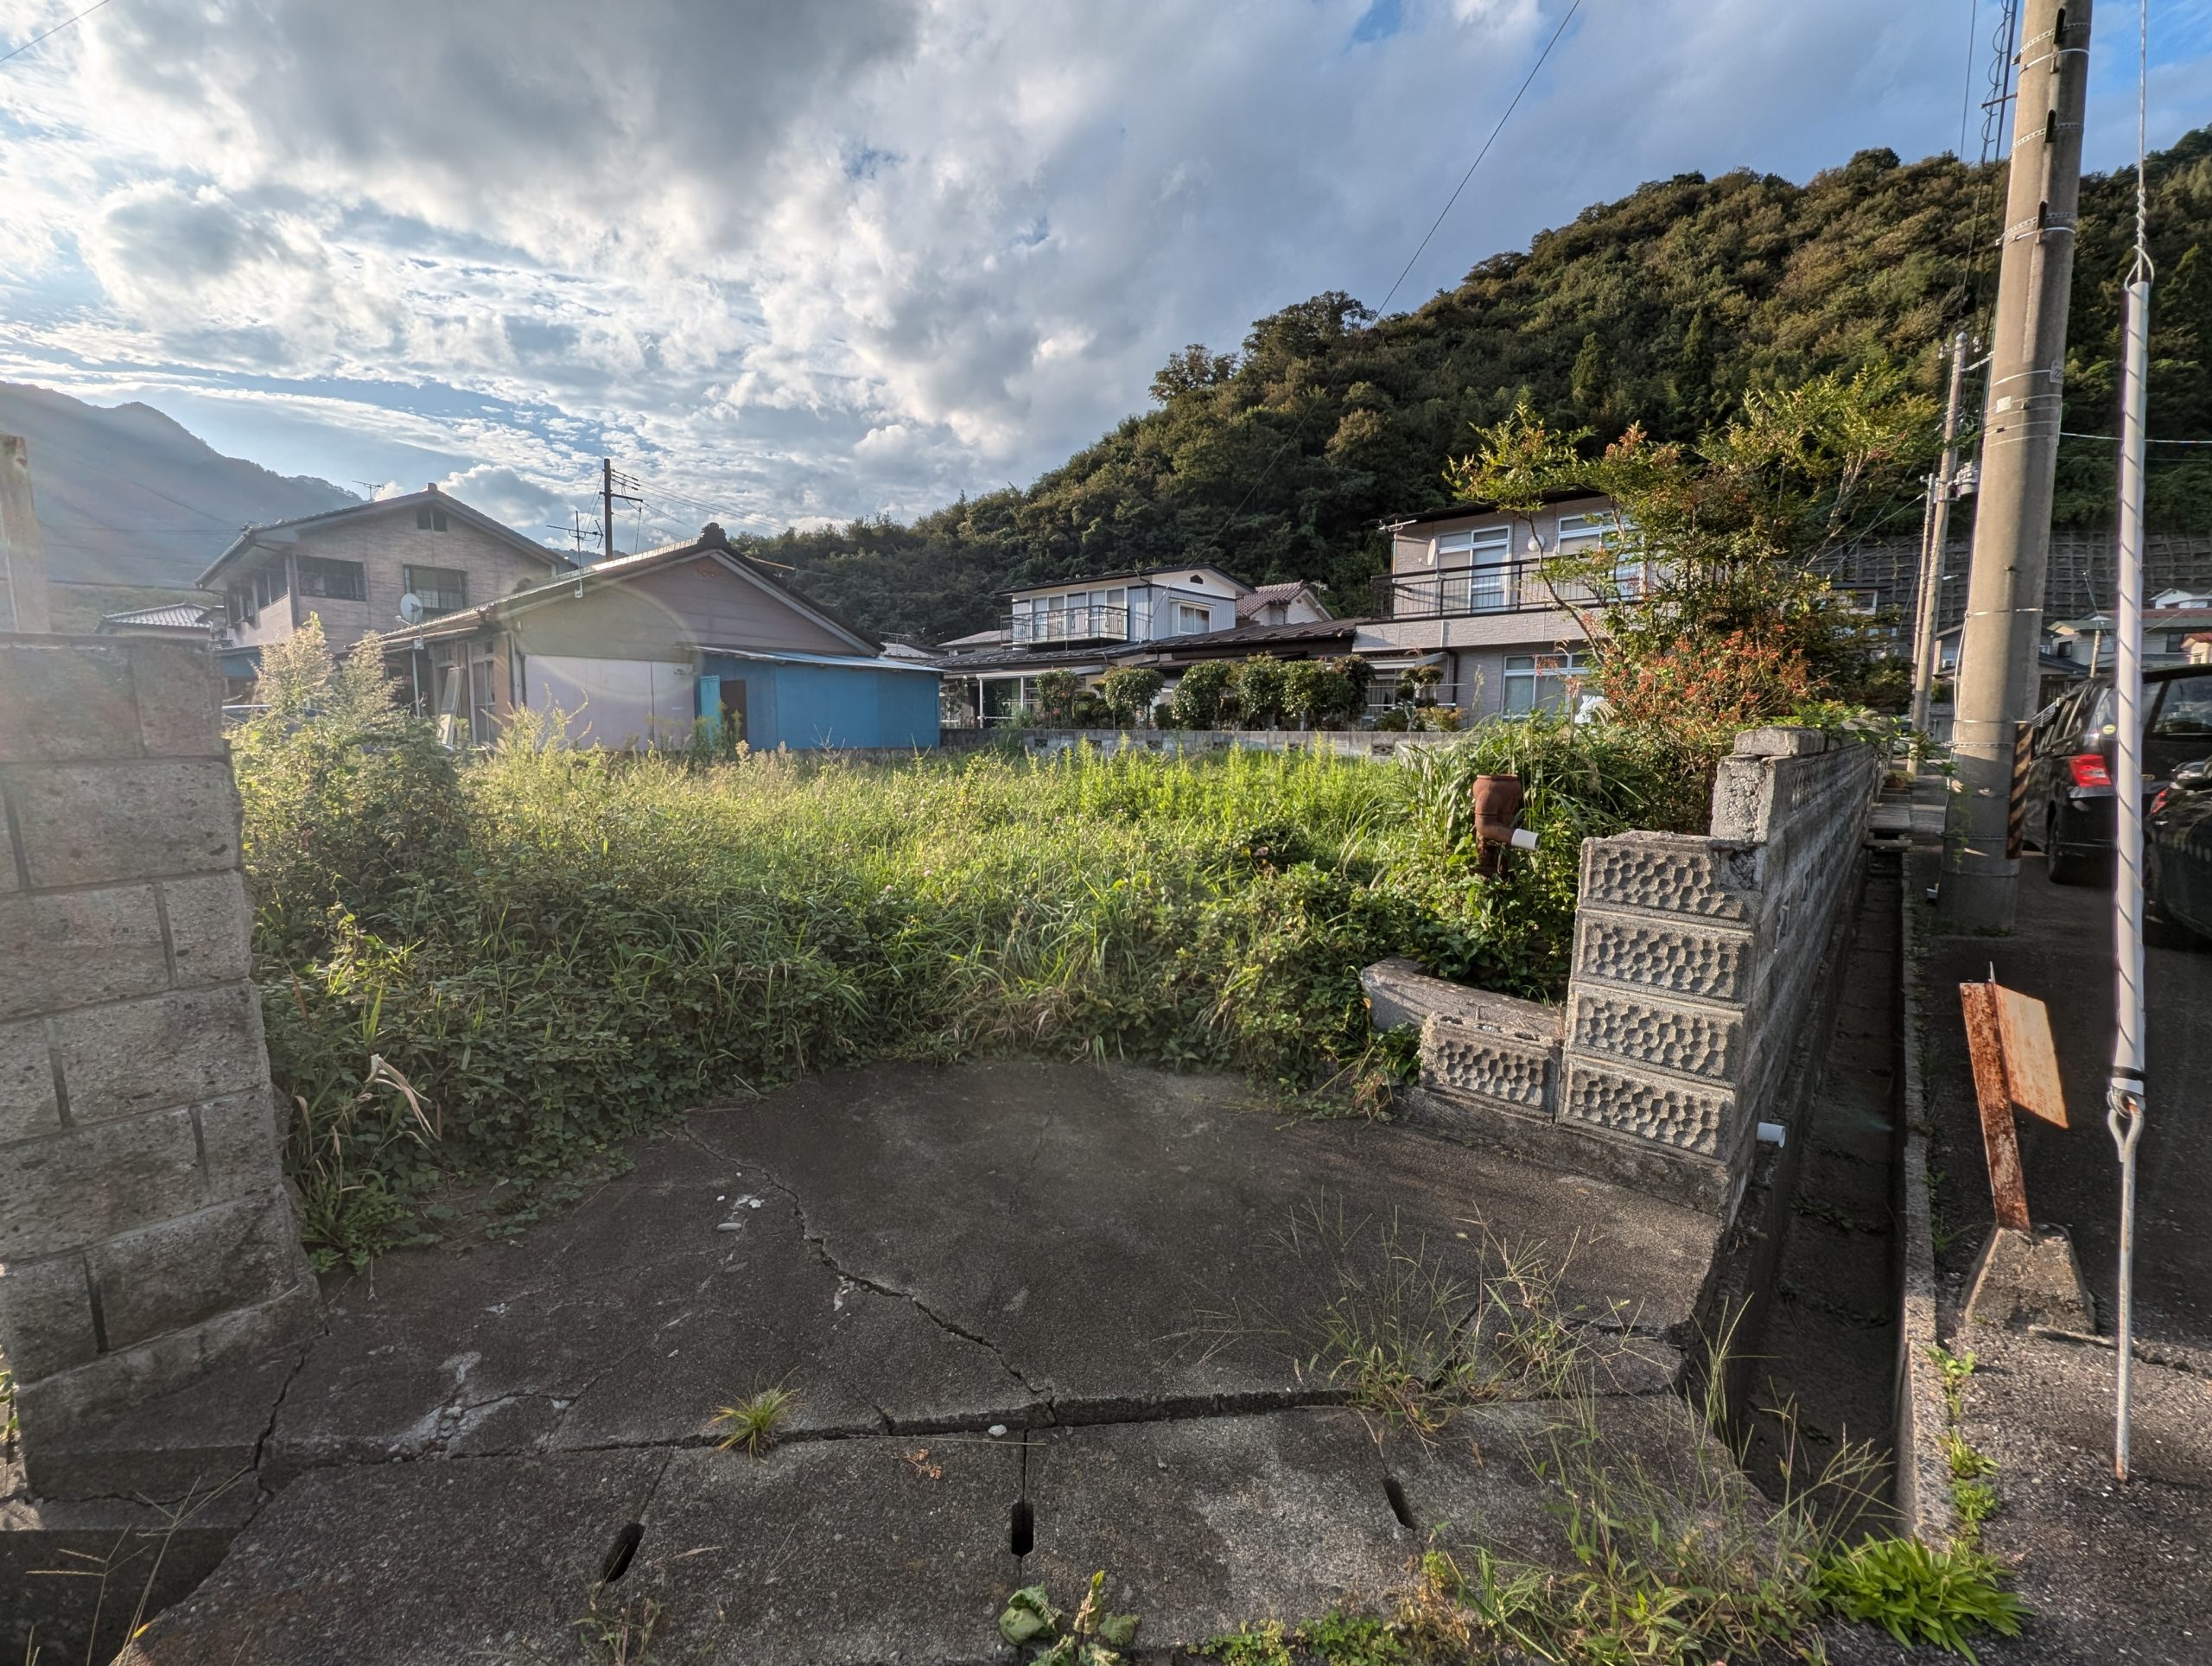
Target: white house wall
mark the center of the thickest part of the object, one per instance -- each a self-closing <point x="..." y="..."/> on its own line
<point x="613" y="702"/>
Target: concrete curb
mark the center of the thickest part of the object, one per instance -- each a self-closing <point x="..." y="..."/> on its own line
<point x="1924" y="1478"/>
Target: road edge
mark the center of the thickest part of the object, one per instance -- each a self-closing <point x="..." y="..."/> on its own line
<point x="1923" y="1484"/>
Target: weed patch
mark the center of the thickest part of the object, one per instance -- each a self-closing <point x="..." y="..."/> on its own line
<point x="752" y="1423"/>
<point x="558" y="947"/>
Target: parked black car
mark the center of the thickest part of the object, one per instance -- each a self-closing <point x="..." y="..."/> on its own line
<point x="2069" y="802"/>
<point x="2177" y="852"/>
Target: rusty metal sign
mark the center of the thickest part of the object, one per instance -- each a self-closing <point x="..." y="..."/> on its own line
<point x="2008" y="1190"/>
<point x="2031" y="1060"/>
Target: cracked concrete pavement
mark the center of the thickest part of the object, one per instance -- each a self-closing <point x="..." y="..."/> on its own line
<point x="1124" y="1272"/>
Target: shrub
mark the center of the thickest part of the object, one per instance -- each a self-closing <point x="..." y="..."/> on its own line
<point x="1056" y="693"/>
<point x="1205" y="696"/>
<point x="1129" y="691"/>
<point x="1260" y="690"/>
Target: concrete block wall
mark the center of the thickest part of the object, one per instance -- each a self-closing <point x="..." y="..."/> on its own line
<point x="1045" y="742"/>
<point x="146" y="1234"/>
<point x="1696" y="958"/>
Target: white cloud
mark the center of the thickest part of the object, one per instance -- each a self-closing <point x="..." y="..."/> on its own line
<point x="805" y="261"/>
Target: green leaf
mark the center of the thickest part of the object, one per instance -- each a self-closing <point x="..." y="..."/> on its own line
<point x="1120" y="1630"/>
<point x="1029" y="1614"/>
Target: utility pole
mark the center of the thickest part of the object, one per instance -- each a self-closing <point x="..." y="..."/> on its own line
<point x="22" y="546"/>
<point x="2012" y="533"/>
<point x="608" y="495"/>
<point x="1941" y="490"/>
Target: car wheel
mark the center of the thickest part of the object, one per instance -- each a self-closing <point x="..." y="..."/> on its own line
<point x="2064" y="866"/>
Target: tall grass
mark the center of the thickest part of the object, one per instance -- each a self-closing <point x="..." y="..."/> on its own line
<point x="557" y="948"/>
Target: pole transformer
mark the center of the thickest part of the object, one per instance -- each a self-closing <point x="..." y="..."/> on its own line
<point x="2019" y="460"/>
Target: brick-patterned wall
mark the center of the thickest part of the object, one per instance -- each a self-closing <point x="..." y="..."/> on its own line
<point x="146" y="1234"/>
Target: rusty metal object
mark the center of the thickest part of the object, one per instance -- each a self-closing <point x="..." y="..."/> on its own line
<point x="1497" y="807"/>
<point x="2030" y="1059"/>
<point x="2008" y="1190"/>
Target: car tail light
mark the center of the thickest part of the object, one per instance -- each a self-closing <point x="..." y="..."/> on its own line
<point x="2088" y="769"/>
<point x="2159" y="802"/>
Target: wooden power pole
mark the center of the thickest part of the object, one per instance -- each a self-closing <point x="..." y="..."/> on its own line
<point x="2019" y="460"/>
<point x="22" y="547"/>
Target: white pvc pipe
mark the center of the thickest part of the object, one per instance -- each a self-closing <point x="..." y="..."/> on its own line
<point x="2124" y="1099"/>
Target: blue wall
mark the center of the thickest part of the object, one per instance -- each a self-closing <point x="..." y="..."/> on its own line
<point x="808" y="706"/>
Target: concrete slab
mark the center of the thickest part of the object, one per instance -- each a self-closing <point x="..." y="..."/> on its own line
<point x="421" y="1564"/>
<point x="920" y="1249"/>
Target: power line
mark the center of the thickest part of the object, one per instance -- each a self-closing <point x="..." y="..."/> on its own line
<point x="1484" y="152"/>
<point x="19" y="51"/>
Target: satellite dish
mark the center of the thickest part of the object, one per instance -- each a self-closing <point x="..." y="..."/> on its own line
<point x="410" y="609"/>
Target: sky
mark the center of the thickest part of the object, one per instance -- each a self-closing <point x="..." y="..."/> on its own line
<point x="791" y="261"/>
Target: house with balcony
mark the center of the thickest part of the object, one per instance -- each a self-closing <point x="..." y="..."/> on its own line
<point x="1470" y="593"/>
<point x="1168" y="618"/>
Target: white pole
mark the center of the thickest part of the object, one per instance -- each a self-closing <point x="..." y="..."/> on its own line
<point x="2124" y="1097"/>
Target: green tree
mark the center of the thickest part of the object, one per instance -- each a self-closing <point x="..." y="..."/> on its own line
<point x="1711" y="601"/>
<point x="1056" y="696"/>
<point x="1260" y="691"/>
<point x="1203" y="695"/>
<point x="1129" y="691"/>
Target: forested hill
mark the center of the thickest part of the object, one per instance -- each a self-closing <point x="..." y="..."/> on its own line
<point x="1277" y="460"/>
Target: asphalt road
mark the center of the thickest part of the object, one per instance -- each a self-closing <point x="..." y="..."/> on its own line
<point x="2061" y="952"/>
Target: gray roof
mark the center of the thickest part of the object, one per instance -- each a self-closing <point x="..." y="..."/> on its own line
<point x="162" y="616"/>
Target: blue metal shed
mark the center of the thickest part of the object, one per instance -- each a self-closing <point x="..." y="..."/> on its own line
<point x="811" y="702"/>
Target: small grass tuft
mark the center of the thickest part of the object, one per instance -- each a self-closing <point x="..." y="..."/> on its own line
<point x="753" y="1421"/>
<point x="1919" y="1593"/>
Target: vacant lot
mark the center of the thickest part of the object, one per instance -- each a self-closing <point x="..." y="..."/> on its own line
<point x="553" y="948"/>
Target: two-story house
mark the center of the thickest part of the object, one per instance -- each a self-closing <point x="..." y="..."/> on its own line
<point x="1471" y="593"/>
<point x="351" y="567"/>
<point x="1167" y="618"/>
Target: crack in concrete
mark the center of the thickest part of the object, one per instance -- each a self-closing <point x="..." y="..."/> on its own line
<point x="269" y="1429"/>
<point x="820" y="1244"/>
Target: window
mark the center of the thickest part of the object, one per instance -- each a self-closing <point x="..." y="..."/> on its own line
<point x="1471" y="570"/>
<point x="1192" y="617"/>
<point x="2185" y="709"/>
<point x="430" y="519"/>
<point x="1583" y="536"/>
<point x="1541" y="682"/>
<point x="442" y="590"/>
<point x="338" y="580"/>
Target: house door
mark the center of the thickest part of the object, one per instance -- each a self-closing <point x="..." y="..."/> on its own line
<point x="734" y="709"/>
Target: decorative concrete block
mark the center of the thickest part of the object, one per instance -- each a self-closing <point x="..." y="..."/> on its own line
<point x="27" y="1106"/>
<point x="211" y="926"/>
<point x="46" y="1323"/>
<point x="1399" y="992"/>
<point x="180" y="1272"/>
<point x="1693" y="1041"/>
<point x="239" y="1150"/>
<point x="97" y="823"/>
<point x="71" y="947"/>
<point x="1668" y="874"/>
<point x="65" y="702"/>
<point x="167" y="1050"/>
<point x="1689" y="960"/>
<point x="1669" y="1113"/>
<point x="1470" y="1061"/>
<point x="180" y="700"/>
<point x="76" y="1187"/>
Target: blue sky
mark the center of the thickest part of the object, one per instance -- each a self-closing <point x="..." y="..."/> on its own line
<point x="806" y="261"/>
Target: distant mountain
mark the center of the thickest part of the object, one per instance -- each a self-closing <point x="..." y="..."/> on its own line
<point x="131" y="502"/>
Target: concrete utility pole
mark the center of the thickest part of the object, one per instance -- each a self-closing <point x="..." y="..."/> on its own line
<point x="22" y="546"/>
<point x="1941" y="490"/>
<point x="2019" y="459"/>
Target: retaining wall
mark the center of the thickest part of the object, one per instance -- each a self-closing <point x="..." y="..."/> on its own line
<point x="1350" y="743"/>
<point x="146" y="1234"/>
<point x="1695" y="963"/>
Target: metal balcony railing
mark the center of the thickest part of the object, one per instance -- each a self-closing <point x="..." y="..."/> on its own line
<point x="1092" y="622"/>
<point x="1513" y="587"/>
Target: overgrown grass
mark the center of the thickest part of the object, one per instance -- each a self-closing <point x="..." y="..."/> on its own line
<point x="555" y="948"/>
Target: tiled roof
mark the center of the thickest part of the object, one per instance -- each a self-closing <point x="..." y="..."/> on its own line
<point x="167" y="615"/>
